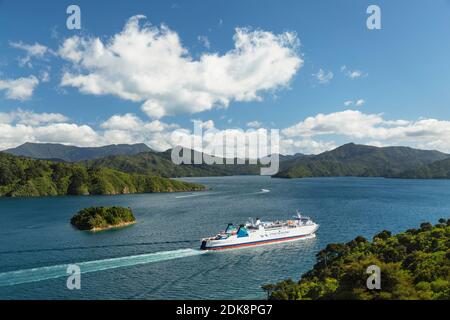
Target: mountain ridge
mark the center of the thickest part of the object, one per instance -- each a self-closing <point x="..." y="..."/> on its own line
<point x="347" y="160"/>
<point x="141" y="160"/>
<point x="361" y="161"/>
<point x="68" y="153"/>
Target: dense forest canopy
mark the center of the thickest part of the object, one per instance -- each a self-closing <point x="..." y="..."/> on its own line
<point x="24" y="177"/>
<point x="435" y="170"/>
<point x="102" y="218"/>
<point x="61" y="152"/>
<point x="414" y="265"/>
<point x="360" y="161"/>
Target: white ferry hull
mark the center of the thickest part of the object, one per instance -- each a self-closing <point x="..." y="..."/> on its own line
<point x="264" y="237"/>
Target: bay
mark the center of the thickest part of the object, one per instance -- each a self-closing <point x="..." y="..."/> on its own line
<point x="158" y="258"/>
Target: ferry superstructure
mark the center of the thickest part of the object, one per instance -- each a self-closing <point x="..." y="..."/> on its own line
<point x="255" y="233"/>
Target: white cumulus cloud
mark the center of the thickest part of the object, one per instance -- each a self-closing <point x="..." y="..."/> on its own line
<point x="148" y="64"/>
<point x="348" y="103"/>
<point x="353" y="124"/>
<point x="19" y="89"/>
<point x="323" y="77"/>
<point x="305" y="146"/>
<point x="360" y="102"/>
<point x="254" y="124"/>
<point x="312" y="135"/>
<point x="30" y="118"/>
<point x="18" y="127"/>
<point x="35" y="50"/>
<point x="204" y="41"/>
<point x="357" y="103"/>
<point x="353" y="74"/>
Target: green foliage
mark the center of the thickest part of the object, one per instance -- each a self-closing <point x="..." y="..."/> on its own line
<point x="102" y="217"/>
<point x="347" y="160"/>
<point x="360" y="161"/>
<point x="23" y="177"/>
<point x="136" y="158"/>
<point x="78" y="181"/>
<point x="414" y="265"/>
<point x="48" y="151"/>
<point x="160" y="164"/>
<point x="435" y="170"/>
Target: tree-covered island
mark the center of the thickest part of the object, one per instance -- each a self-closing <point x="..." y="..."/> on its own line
<point x="102" y="218"/>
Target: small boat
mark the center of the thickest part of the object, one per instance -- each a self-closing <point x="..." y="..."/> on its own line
<point x="265" y="190"/>
<point x="255" y="233"/>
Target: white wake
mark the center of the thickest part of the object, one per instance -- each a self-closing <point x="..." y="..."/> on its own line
<point x="57" y="271"/>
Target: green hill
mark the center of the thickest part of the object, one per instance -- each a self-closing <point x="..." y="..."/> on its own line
<point x="414" y="265"/>
<point x="360" y="161"/>
<point x="136" y="158"/>
<point x="23" y="177"/>
<point x="160" y="163"/>
<point x="347" y="160"/>
<point x="56" y="151"/>
<point x="435" y="170"/>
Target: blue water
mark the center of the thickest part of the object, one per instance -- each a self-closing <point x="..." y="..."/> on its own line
<point x="158" y="258"/>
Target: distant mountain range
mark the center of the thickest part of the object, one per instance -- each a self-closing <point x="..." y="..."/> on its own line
<point x="160" y="163"/>
<point x="348" y="160"/>
<point x="60" y="152"/>
<point x="137" y="158"/>
<point x="361" y="161"/>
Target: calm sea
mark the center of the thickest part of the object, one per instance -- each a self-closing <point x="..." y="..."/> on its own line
<point x="158" y="258"/>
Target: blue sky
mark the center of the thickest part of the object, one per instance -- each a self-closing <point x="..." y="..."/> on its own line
<point x="401" y="72"/>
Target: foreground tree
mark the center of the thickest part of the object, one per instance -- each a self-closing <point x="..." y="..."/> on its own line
<point x="414" y="265"/>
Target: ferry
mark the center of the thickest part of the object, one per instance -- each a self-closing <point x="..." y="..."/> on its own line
<point x="255" y="233"/>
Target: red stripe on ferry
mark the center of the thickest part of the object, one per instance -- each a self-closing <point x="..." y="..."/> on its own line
<point x="257" y="243"/>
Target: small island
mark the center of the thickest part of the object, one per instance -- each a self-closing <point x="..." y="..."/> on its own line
<point x="102" y="218"/>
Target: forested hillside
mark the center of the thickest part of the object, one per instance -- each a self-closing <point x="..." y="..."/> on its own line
<point x="414" y="265"/>
<point x="23" y="177"/>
